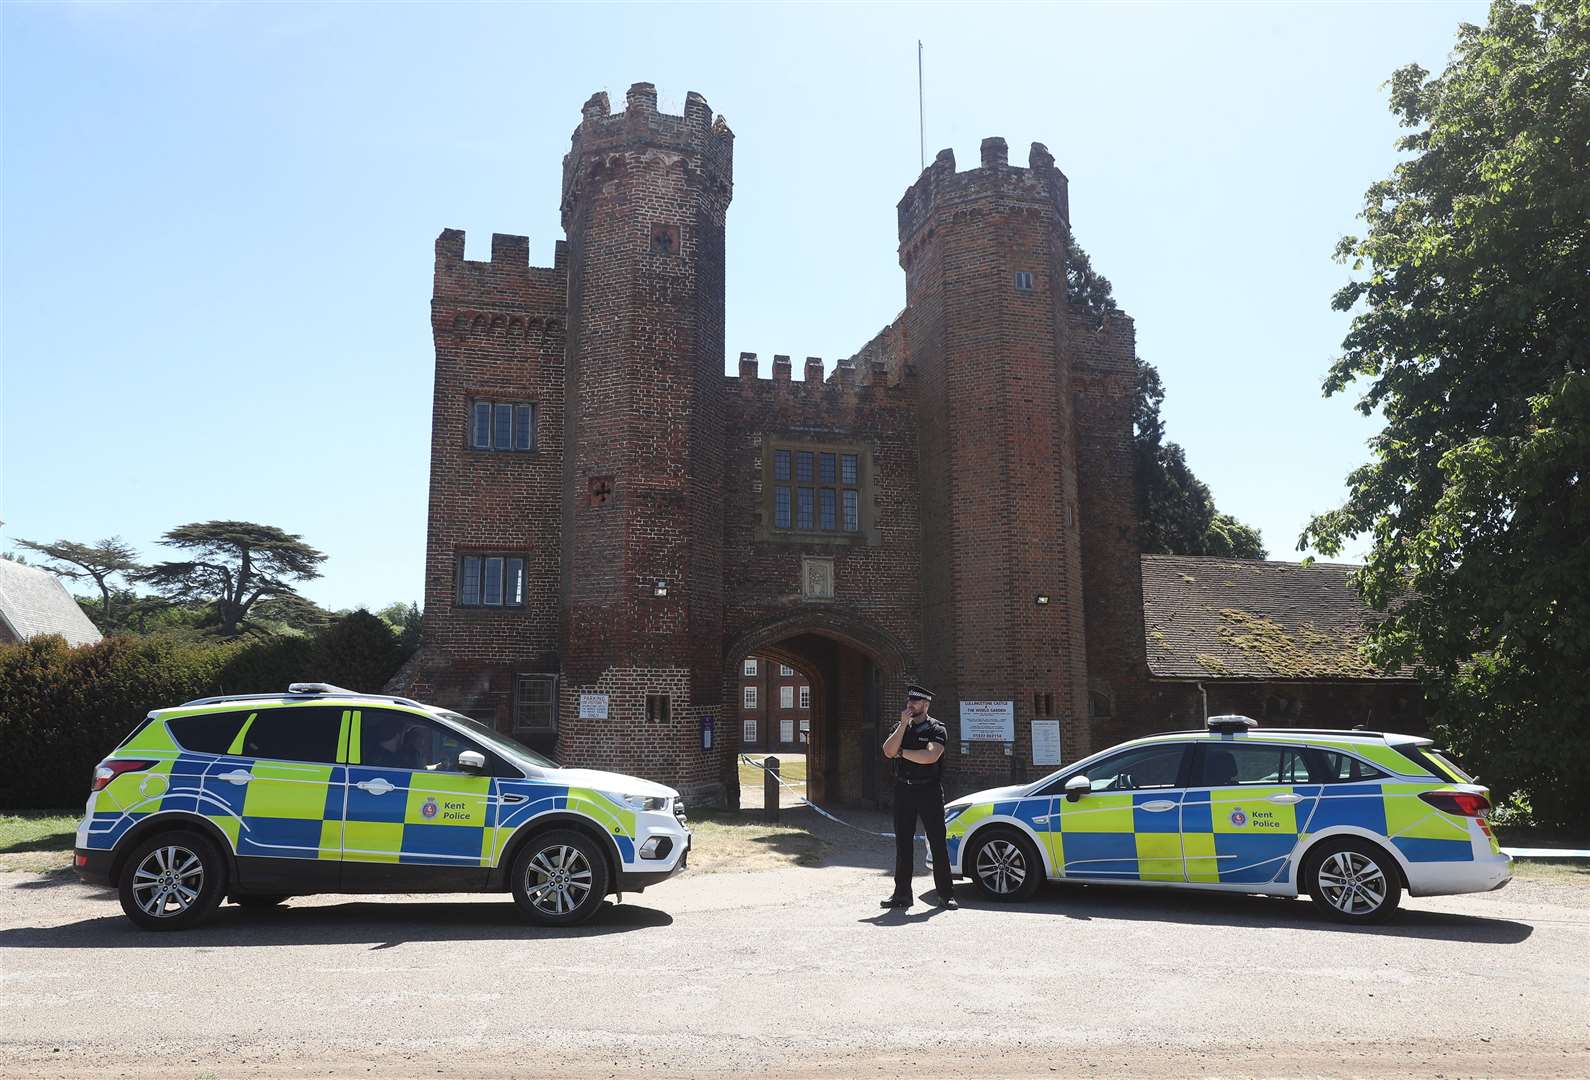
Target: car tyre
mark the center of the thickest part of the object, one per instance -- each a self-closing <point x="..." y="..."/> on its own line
<point x="260" y="900"/>
<point x="559" y="878"/>
<point x="1004" y="865"/>
<point x="1353" y="881"/>
<point x="172" y="880"/>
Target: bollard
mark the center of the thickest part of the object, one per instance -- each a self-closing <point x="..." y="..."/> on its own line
<point x="770" y="790"/>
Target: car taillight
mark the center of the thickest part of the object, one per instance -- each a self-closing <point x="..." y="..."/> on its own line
<point x="1465" y="803"/>
<point x="109" y="770"/>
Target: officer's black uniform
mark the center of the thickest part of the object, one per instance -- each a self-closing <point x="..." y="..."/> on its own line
<point x="919" y="793"/>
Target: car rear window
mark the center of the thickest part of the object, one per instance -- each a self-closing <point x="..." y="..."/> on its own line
<point x="1329" y="767"/>
<point x="207" y="733"/>
<point x="301" y="733"/>
<point x="1432" y="760"/>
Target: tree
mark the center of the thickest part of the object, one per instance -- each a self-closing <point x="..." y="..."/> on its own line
<point x="236" y="564"/>
<point x="289" y="611"/>
<point x="100" y="562"/>
<point x="405" y="619"/>
<point x="1176" y="513"/>
<point x="1472" y="333"/>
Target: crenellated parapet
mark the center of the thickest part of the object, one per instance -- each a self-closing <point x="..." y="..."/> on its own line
<point x="604" y="137"/>
<point x="994" y="184"/>
<point x="850" y="384"/>
<point x="503" y="298"/>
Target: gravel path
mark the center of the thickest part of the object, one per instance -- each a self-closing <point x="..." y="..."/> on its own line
<point x="794" y="972"/>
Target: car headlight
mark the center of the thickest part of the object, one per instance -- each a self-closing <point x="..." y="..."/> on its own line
<point x="640" y="802"/>
<point x="953" y="812"/>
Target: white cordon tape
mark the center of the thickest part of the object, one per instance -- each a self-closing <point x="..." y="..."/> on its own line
<point x="784" y="783"/>
<point x="1546" y="853"/>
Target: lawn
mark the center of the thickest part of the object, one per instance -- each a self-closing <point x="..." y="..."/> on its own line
<point x="723" y="841"/>
<point x="37" y="841"/>
<point x="791" y="769"/>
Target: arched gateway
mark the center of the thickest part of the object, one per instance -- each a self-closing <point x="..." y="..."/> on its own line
<point x="615" y="522"/>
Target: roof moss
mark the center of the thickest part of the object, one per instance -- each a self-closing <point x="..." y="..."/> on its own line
<point x="1307" y="652"/>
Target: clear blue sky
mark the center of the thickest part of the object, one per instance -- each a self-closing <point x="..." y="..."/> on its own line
<point x="218" y="219"/>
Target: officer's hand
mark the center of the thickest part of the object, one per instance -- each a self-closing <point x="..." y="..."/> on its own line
<point x="905" y="716"/>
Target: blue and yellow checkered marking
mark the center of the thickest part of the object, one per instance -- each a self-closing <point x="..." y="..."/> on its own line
<point x="314" y="811"/>
<point x="1222" y="836"/>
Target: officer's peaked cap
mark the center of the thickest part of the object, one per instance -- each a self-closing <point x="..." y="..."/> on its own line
<point x="919" y="691"/>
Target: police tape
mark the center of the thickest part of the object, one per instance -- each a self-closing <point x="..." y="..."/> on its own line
<point x="748" y="760"/>
<point x="1545" y="853"/>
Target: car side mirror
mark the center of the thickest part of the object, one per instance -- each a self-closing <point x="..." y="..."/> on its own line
<point x="471" y="759"/>
<point x="1078" y="786"/>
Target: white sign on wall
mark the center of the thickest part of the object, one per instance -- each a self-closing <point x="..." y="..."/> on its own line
<point x="988" y="721"/>
<point x="593" y="706"/>
<point x="1046" y="742"/>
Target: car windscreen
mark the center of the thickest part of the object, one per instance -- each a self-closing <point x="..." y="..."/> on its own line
<point x="505" y="744"/>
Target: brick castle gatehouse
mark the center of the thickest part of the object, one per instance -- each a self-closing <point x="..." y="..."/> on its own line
<point x="615" y="524"/>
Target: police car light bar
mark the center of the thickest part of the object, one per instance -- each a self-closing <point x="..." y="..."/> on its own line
<point x="1231" y="722"/>
<point x="317" y="688"/>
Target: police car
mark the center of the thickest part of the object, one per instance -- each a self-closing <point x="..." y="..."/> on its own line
<point x="1350" y="817"/>
<point x="320" y="790"/>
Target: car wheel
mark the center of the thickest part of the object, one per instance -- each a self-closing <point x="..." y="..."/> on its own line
<point x="559" y="878"/>
<point x="1353" y="881"/>
<point x="1004" y="865"/>
<point x="172" y="880"/>
<point x="260" y="900"/>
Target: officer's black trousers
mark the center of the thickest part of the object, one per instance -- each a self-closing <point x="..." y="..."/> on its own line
<point x="924" y="801"/>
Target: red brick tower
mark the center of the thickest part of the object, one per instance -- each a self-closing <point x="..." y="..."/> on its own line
<point x="984" y="256"/>
<point x="645" y="195"/>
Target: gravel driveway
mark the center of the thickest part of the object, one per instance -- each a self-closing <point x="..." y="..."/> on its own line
<point x="795" y="972"/>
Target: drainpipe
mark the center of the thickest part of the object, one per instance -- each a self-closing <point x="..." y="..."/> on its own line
<point x="1202" y="693"/>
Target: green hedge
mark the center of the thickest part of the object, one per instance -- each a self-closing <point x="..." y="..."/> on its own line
<point x="62" y="709"/>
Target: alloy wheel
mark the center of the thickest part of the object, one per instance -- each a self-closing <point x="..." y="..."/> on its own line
<point x="1352" y="883"/>
<point x="168" y="881"/>
<point x="558" y="879"/>
<point x="1001" y="866"/>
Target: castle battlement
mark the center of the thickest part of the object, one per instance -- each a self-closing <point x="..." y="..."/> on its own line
<point x="507" y="251"/>
<point x="848" y="379"/>
<point x="940" y="187"/>
<point x="695" y="134"/>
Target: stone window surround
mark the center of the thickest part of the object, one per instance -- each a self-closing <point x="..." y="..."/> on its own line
<point x="868" y="534"/>
<point x="496" y="397"/>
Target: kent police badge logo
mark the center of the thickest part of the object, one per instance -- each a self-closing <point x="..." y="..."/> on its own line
<point x="1238" y="818"/>
<point x="429" y="809"/>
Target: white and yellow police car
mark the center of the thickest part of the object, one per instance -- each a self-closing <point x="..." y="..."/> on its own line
<point x="1353" y="818"/>
<point x="321" y="790"/>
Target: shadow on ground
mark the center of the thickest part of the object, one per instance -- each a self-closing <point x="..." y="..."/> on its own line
<point x="382" y="925"/>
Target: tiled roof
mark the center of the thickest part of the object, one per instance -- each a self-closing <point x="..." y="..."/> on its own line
<point x="1213" y="618"/>
<point x="33" y="602"/>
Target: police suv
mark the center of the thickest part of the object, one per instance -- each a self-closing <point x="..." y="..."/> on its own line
<point x="1350" y="817"/>
<point x="320" y="790"/>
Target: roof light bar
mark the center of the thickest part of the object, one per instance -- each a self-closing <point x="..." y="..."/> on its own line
<point x="316" y="688"/>
<point x="1231" y="722"/>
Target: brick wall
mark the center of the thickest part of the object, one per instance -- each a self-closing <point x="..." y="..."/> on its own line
<point x="1103" y="384"/>
<point x="999" y="452"/>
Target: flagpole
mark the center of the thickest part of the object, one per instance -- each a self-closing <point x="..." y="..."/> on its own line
<point x="921" y="112"/>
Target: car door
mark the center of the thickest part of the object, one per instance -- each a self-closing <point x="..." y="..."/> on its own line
<point x="1127" y="827"/>
<point x="410" y="805"/>
<point x="281" y="780"/>
<point x="1243" y="811"/>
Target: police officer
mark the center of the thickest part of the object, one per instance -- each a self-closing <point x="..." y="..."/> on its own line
<point x="917" y="745"/>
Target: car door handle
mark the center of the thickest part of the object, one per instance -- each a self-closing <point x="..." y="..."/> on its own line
<point x="379" y="786"/>
<point x="236" y="776"/>
<point x="514" y="798"/>
<point x="1288" y="800"/>
<point x="1043" y="819"/>
<point x="1157" y="806"/>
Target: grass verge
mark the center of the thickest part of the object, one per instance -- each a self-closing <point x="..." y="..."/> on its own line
<point x="723" y="842"/>
<point x="37" y="841"/>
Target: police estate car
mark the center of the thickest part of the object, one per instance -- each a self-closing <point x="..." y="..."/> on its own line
<point x="1350" y="817"/>
<point x="321" y="790"/>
